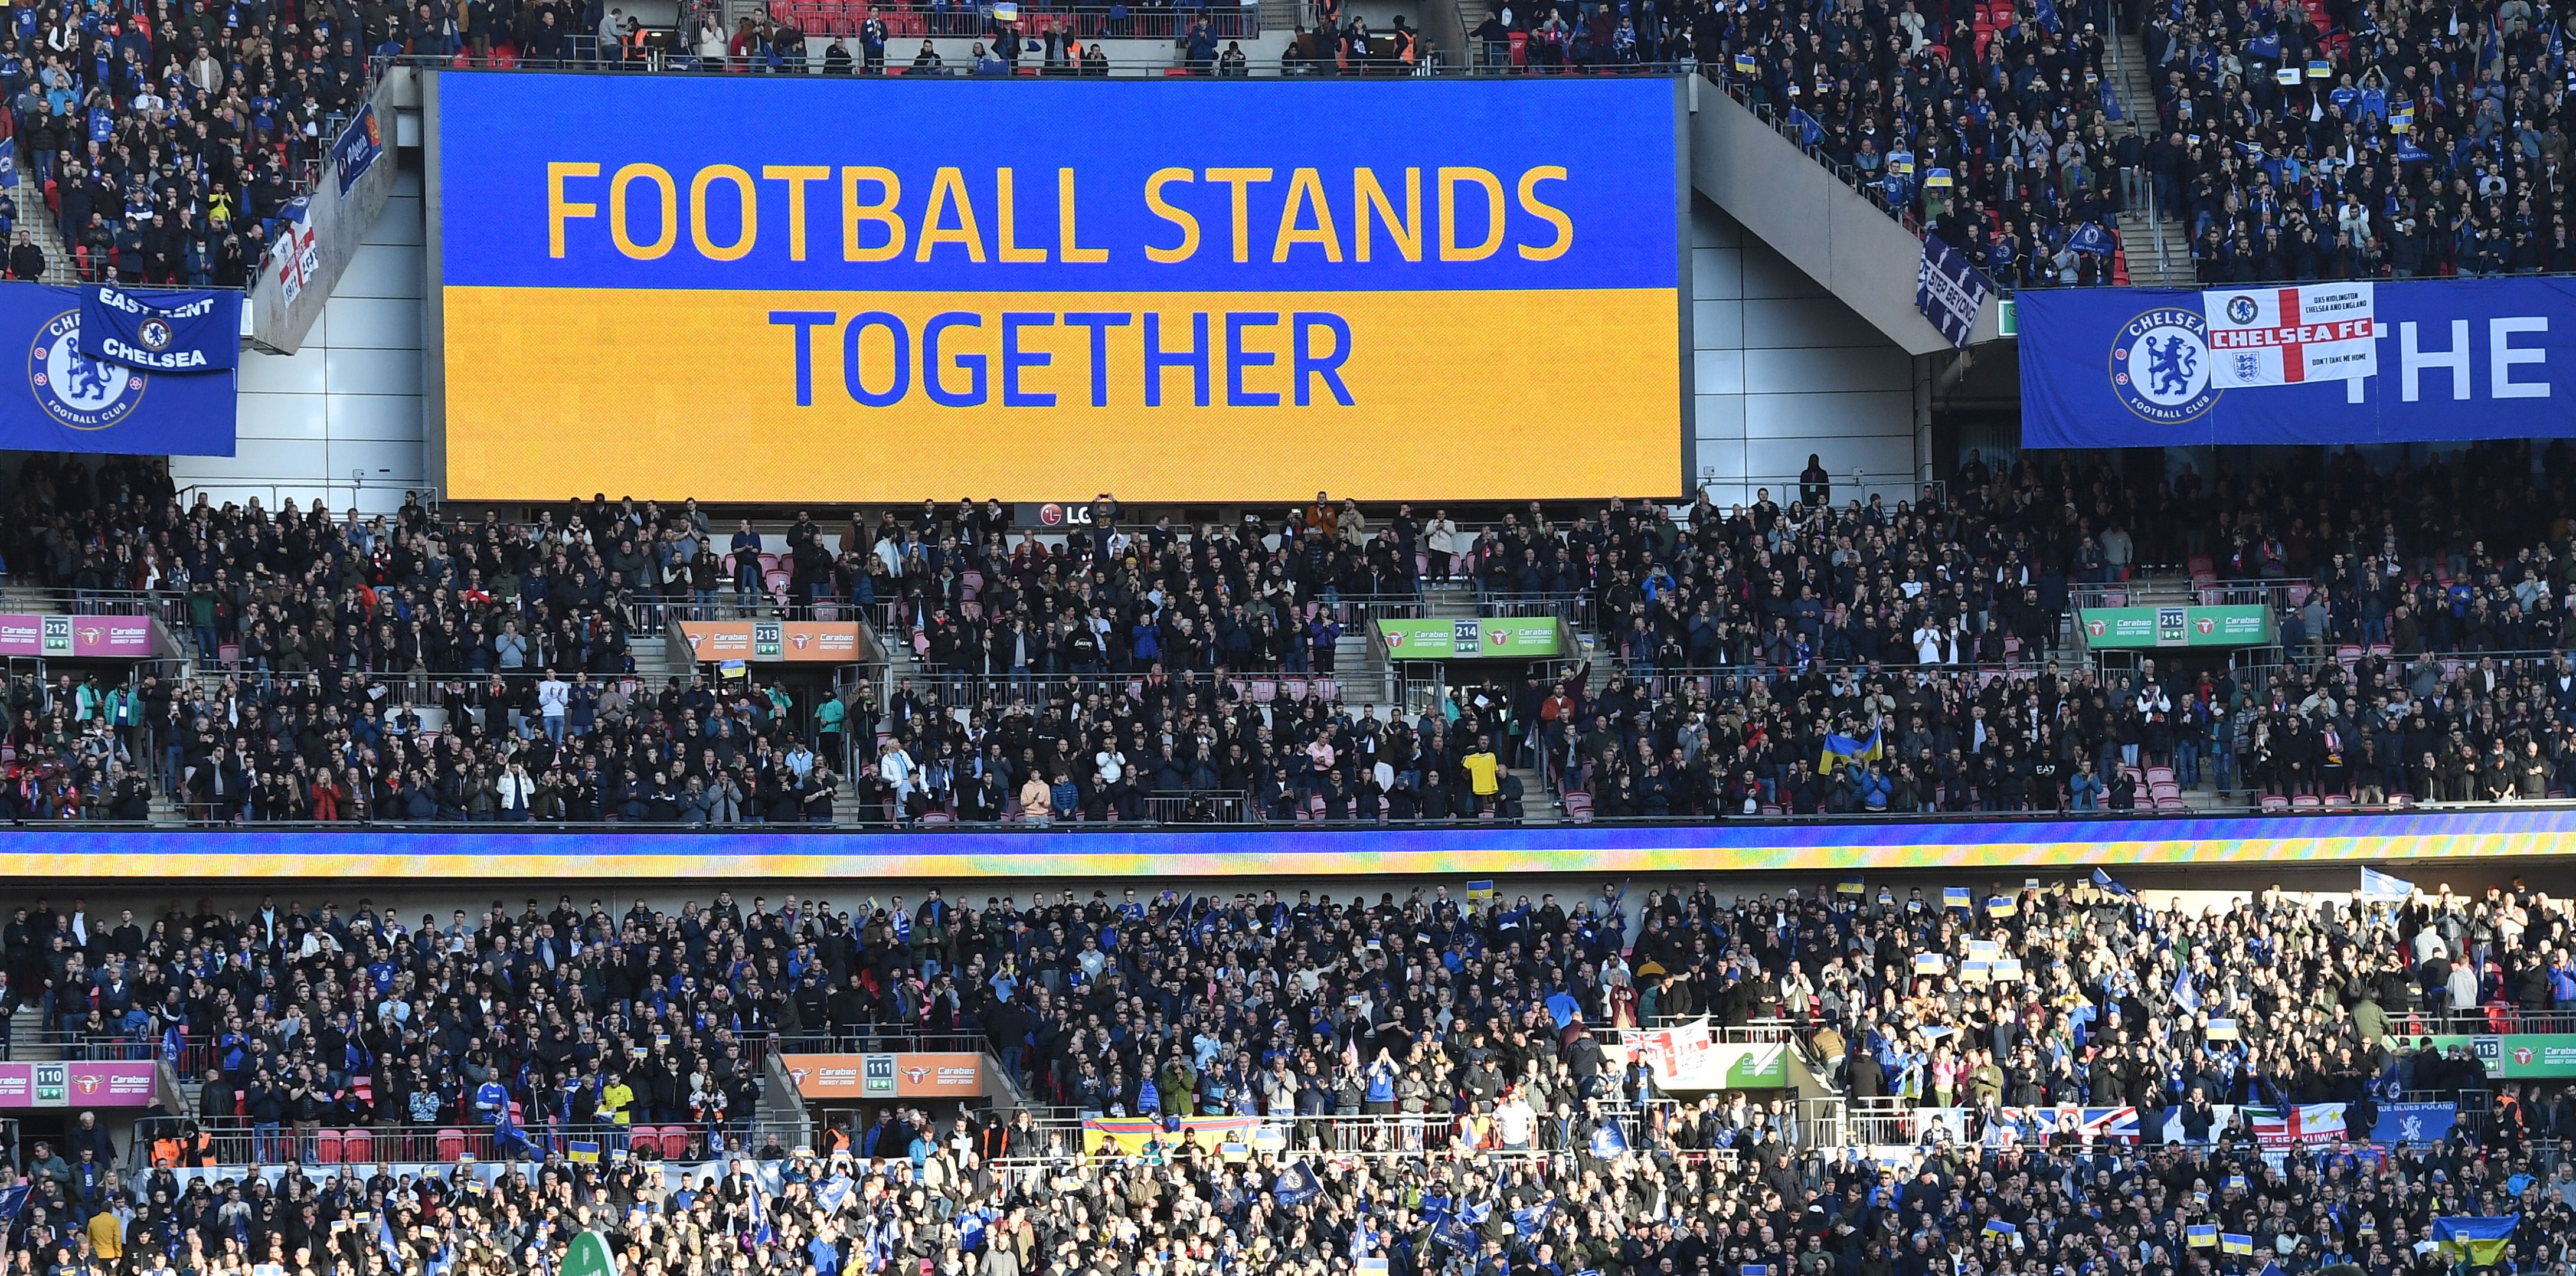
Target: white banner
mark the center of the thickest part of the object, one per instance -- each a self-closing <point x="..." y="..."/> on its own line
<point x="1683" y="1058"/>
<point x="2289" y="336"/>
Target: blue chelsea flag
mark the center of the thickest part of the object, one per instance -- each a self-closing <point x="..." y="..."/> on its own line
<point x="180" y="331"/>
<point x="2128" y="367"/>
<point x="1949" y="291"/>
<point x="67" y="401"/>
<point x="1608" y="1143"/>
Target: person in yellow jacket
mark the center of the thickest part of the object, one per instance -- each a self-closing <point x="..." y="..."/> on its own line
<point x="107" y="1238"/>
<point x="615" y="1099"/>
<point x="1484" y="773"/>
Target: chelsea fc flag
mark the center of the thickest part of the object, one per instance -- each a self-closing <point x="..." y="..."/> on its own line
<point x="1948" y="290"/>
<point x="2320" y="364"/>
<point x="171" y="330"/>
<point x="63" y="399"/>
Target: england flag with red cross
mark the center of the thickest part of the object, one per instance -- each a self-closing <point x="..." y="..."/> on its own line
<point x="2291" y="336"/>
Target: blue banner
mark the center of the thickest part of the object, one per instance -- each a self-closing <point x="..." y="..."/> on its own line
<point x="179" y="330"/>
<point x="2414" y="1123"/>
<point x="358" y="147"/>
<point x="66" y="401"/>
<point x="2447" y="360"/>
<point x="1948" y="290"/>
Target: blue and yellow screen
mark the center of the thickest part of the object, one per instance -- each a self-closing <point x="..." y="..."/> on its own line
<point x="770" y="288"/>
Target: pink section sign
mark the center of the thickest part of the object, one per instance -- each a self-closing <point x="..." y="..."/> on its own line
<point x="76" y="1085"/>
<point x="92" y="636"/>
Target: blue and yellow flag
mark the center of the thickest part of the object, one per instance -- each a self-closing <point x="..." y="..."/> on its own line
<point x="1955" y="897"/>
<point x="2200" y="1235"/>
<point x="2479" y="1240"/>
<point x="2235" y="1243"/>
<point x="1842" y="750"/>
<point x="584" y="1152"/>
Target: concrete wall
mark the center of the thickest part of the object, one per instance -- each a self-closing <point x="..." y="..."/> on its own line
<point x="340" y="419"/>
<point x="1784" y="368"/>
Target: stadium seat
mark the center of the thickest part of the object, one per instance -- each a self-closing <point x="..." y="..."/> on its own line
<point x="327" y="1146"/>
<point x="675" y="1142"/>
<point x="357" y="1147"/>
<point x="451" y="1145"/>
<point x="1578" y="807"/>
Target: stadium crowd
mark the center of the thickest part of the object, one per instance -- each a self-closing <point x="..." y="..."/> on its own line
<point x="424" y="665"/>
<point x="2290" y="141"/>
<point x="163" y="140"/>
<point x="1479" y="1030"/>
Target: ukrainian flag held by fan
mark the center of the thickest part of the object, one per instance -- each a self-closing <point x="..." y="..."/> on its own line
<point x="1842" y="750"/>
<point x="2479" y="1240"/>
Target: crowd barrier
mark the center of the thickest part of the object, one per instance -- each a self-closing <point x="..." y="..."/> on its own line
<point x="765" y="852"/>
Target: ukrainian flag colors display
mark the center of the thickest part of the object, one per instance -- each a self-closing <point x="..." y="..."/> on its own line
<point x="786" y="288"/>
<point x="746" y="853"/>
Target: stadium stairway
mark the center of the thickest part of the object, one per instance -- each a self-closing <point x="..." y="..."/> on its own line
<point x="651" y="654"/>
<point x="27" y="1043"/>
<point x="38" y="222"/>
<point x="2159" y="254"/>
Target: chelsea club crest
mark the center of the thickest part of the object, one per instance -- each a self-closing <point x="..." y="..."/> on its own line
<point x="79" y="391"/>
<point x="2160" y="366"/>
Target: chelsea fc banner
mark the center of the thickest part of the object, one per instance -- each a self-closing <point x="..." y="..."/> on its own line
<point x="162" y="330"/>
<point x="2311" y="363"/>
<point x="61" y="399"/>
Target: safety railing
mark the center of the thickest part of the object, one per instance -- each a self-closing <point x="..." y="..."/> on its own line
<point x="75" y="1046"/>
<point x="1286" y="689"/>
<point x="879" y="1039"/>
<point x="167" y="605"/>
<point x="1395" y="1133"/>
<point x="1880" y="1122"/>
<point x="239" y="1141"/>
